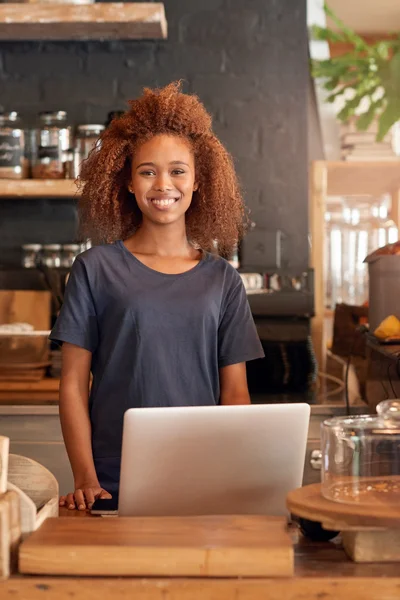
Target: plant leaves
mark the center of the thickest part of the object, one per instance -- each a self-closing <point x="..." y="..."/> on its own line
<point x="349" y="108"/>
<point x="394" y="69"/>
<point x="325" y="35"/>
<point x="389" y="117"/>
<point x="365" y="119"/>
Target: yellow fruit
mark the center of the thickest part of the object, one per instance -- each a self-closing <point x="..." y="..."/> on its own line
<point x="389" y="328"/>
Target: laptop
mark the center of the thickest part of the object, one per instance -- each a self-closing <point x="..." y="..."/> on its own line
<point x="212" y="460"/>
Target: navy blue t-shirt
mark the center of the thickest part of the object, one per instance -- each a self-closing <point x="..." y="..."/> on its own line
<point x="156" y="339"/>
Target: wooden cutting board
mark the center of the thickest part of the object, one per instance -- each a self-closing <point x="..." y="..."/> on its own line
<point x="220" y="546"/>
<point x="25" y="307"/>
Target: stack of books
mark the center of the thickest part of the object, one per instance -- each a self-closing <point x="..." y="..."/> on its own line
<point x="362" y="145"/>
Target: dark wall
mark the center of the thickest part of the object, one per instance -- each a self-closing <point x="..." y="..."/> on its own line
<point x="246" y="59"/>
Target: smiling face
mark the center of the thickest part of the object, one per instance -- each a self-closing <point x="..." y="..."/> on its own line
<point x="163" y="179"/>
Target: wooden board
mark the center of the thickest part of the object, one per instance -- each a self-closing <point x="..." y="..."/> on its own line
<point x="4" y="453"/>
<point x="37" y="188"/>
<point x="308" y="502"/>
<point x="10" y="532"/>
<point x="25" y="307"/>
<point x="223" y="546"/>
<point x="318" y="586"/>
<point x="99" y="21"/>
<point x="20" y="306"/>
<point x="381" y="546"/>
<point x="372" y="178"/>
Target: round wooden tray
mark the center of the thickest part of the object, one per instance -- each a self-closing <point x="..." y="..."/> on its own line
<point x="308" y="502"/>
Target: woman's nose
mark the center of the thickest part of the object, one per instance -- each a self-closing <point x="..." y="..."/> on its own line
<point x="163" y="182"/>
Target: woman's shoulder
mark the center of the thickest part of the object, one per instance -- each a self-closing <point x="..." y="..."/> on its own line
<point x="98" y="254"/>
<point x="223" y="269"/>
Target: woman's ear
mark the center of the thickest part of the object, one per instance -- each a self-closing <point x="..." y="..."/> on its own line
<point x="196" y="186"/>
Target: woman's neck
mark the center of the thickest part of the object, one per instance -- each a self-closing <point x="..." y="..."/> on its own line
<point x="162" y="241"/>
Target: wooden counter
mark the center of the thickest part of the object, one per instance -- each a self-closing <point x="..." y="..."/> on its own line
<point x="322" y="572"/>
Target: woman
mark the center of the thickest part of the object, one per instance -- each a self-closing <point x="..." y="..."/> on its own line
<point x="155" y="315"/>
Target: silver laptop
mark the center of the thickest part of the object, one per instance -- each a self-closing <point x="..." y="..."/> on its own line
<point x="212" y="459"/>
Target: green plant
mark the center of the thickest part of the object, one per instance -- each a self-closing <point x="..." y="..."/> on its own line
<point x="371" y="71"/>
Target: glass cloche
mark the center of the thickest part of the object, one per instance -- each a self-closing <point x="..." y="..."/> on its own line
<point x="361" y="457"/>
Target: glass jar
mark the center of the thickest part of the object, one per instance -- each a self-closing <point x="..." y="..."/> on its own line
<point x="13" y="164"/>
<point x="361" y="457"/>
<point x="69" y="254"/>
<point x="54" y="146"/>
<point x="87" y="136"/>
<point x="30" y="255"/>
<point x="51" y="256"/>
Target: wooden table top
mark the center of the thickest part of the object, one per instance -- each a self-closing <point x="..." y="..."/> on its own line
<point x="322" y="572"/>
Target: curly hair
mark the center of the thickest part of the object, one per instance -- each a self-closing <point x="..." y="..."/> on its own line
<point x="108" y="211"/>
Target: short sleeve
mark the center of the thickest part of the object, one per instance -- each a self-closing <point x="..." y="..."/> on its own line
<point x="238" y="339"/>
<point x="77" y="321"/>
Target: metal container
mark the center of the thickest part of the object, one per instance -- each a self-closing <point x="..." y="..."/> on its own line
<point x="13" y="164"/>
<point x="361" y="457"/>
<point x="54" y="146"/>
<point x="384" y="288"/>
<point x="87" y="136"/>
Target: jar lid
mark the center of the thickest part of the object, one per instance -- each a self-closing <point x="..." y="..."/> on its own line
<point x="32" y="247"/>
<point x="12" y="115"/>
<point x="49" y="116"/>
<point x="91" y="127"/>
<point x="71" y="247"/>
<point x="387" y="421"/>
<point x="52" y="247"/>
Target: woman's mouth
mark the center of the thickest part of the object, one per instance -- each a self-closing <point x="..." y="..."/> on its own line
<point x="163" y="203"/>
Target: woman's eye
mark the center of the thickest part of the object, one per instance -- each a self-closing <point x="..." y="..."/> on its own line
<point x="178" y="172"/>
<point x="147" y="173"/>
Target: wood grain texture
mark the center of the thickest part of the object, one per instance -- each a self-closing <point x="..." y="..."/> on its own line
<point x="45" y="385"/>
<point x="24" y="306"/>
<point x="315" y="588"/>
<point x="4" y="538"/>
<point x="372" y="178"/>
<point x="27" y="510"/>
<point x="40" y="392"/>
<point x="15" y="533"/>
<point x="308" y="502"/>
<point x="24" y="355"/>
<point x="189" y="546"/>
<point x="33" y="479"/>
<point x="372" y="546"/>
<point x="37" y="188"/>
<point x="318" y="185"/>
<point x="4" y="451"/>
<point x="102" y="21"/>
<point x="37" y="490"/>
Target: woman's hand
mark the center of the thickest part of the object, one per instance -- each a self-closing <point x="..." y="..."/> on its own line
<point x="84" y="496"/>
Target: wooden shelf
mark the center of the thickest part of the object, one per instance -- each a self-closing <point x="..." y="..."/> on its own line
<point x="29" y="392"/>
<point x="37" y="188"/>
<point x="361" y="178"/>
<point x="99" y="21"/>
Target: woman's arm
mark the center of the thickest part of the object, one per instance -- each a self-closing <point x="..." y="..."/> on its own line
<point x="233" y="383"/>
<point x="76" y="427"/>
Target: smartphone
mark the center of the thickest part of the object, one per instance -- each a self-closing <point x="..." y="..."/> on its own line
<point x="106" y="506"/>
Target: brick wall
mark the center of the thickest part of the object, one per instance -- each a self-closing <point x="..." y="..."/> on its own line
<point x="246" y="59"/>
